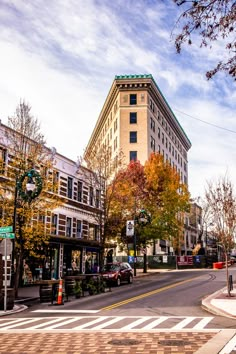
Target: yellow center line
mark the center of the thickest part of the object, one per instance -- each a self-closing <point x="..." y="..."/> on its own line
<point x="150" y="293"/>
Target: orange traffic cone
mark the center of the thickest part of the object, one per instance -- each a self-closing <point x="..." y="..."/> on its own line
<point x="59" y="296"/>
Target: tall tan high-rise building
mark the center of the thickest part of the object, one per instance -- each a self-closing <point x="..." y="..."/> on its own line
<point x="137" y="120"/>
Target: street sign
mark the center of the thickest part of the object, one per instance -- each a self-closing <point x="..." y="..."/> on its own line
<point x="5" y="229"/>
<point x="7" y="235"/>
<point x="130" y="228"/>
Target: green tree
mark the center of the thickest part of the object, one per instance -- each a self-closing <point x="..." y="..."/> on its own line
<point x="213" y="20"/>
<point x="222" y="212"/>
<point x="25" y="148"/>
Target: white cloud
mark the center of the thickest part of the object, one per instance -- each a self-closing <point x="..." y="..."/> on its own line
<point x="62" y="57"/>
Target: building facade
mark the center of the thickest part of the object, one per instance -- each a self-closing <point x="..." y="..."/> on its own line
<point x="74" y="243"/>
<point x="137" y="120"/>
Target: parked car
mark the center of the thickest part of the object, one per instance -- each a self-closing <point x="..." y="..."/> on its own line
<point x="117" y="273"/>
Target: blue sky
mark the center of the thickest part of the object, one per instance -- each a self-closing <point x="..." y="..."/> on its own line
<point x="61" y="57"/>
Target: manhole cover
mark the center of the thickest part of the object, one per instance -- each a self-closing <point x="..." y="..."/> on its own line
<point x="173" y="343"/>
<point x="124" y="342"/>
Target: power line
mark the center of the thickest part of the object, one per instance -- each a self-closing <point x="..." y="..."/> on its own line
<point x="203" y="121"/>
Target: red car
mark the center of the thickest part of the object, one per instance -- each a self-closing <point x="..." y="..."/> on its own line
<point x="117" y="273"/>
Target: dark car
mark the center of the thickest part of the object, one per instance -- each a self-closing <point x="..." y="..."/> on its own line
<point x="117" y="273"/>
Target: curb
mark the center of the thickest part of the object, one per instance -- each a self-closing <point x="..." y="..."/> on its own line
<point x="25" y="299"/>
<point x="16" y="309"/>
<point x="207" y="305"/>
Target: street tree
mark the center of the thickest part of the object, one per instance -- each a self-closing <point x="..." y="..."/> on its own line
<point x="205" y="218"/>
<point x="103" y="168"/>
<point x="213" y="21"/>
<point x="222" y="212"/>
<point x="155" y="188"/>
<point x="28" y="158"/>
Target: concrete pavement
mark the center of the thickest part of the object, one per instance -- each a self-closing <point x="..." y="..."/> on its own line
<point x="218" y="341"/>
<point x="217" y="303"/>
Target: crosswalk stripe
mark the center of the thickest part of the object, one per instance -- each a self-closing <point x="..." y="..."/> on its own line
<point x="99" y="319"/>
<point x="22" y="323"/>
<point x="184" y="323"/>
<point x="155" y="322"/>
<point x="47" y="323"/>
<point x="203" y="323"/>
<point x="108" y="323"/>
<point x="102" y="322"/>
<point x="136" y="323"/>
<point x="63" y="323"/>
<point x="4" y="323"/>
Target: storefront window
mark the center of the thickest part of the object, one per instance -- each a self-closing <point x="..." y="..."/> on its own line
<point x="91" y="262"/>
<point x="76" y="257"/>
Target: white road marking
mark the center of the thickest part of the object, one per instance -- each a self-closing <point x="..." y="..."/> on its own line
<point x="136" y="323"/>
<point x="202" y="324"/>
<point x="99" y="319"/>
<point x="22" y="323"/>
<point x="230" y="346"/>
<point x="184" y="323"/>
<point x="4" y="323"/>
<point x="63" y="323"/>
<point x="45" y="323"/>
<point x="155" y="323"/>
<point x="94" y="322"/>
<point x="106" y="324"/>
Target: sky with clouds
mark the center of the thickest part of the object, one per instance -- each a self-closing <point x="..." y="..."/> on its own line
<point x="61" y="57"/>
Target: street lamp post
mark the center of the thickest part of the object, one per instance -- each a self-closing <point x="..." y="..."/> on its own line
<point x="206" y="250"/>
<point x="144" y="219"/>
<point x="27" y="191"/>
<point x="130" y="232"/>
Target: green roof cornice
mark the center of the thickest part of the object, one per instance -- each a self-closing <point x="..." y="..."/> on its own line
<point x="145" y="76"/>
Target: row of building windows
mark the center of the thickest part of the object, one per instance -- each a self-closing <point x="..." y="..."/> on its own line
<point x="93" y="230"/>
<point x="94" y="194"/>
<point x="133" y="139"/>
<point x="133" y="120"/>
<point x="167" y="128"/>
<point x="168" y="146"/>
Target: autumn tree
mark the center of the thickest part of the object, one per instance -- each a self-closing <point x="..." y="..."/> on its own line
<point x="222" y="211"/>
<point x="24" y="150"/>
<point x="104" y="168"/>
<point x="157" y="189"/>
<point x="213" y="20"/>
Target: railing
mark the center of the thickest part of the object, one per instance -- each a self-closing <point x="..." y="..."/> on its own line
<point x="89" y="284"/>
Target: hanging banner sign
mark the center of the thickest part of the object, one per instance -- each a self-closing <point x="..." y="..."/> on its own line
<point x="130" y="228"/>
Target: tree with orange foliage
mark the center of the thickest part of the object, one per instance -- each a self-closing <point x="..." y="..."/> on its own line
<point x="156" y="188"/>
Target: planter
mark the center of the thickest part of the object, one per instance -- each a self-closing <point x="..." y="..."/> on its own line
<point x="70" y="286"/>
<point x="45" y="292"/>
<point x="78" y="289"/>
